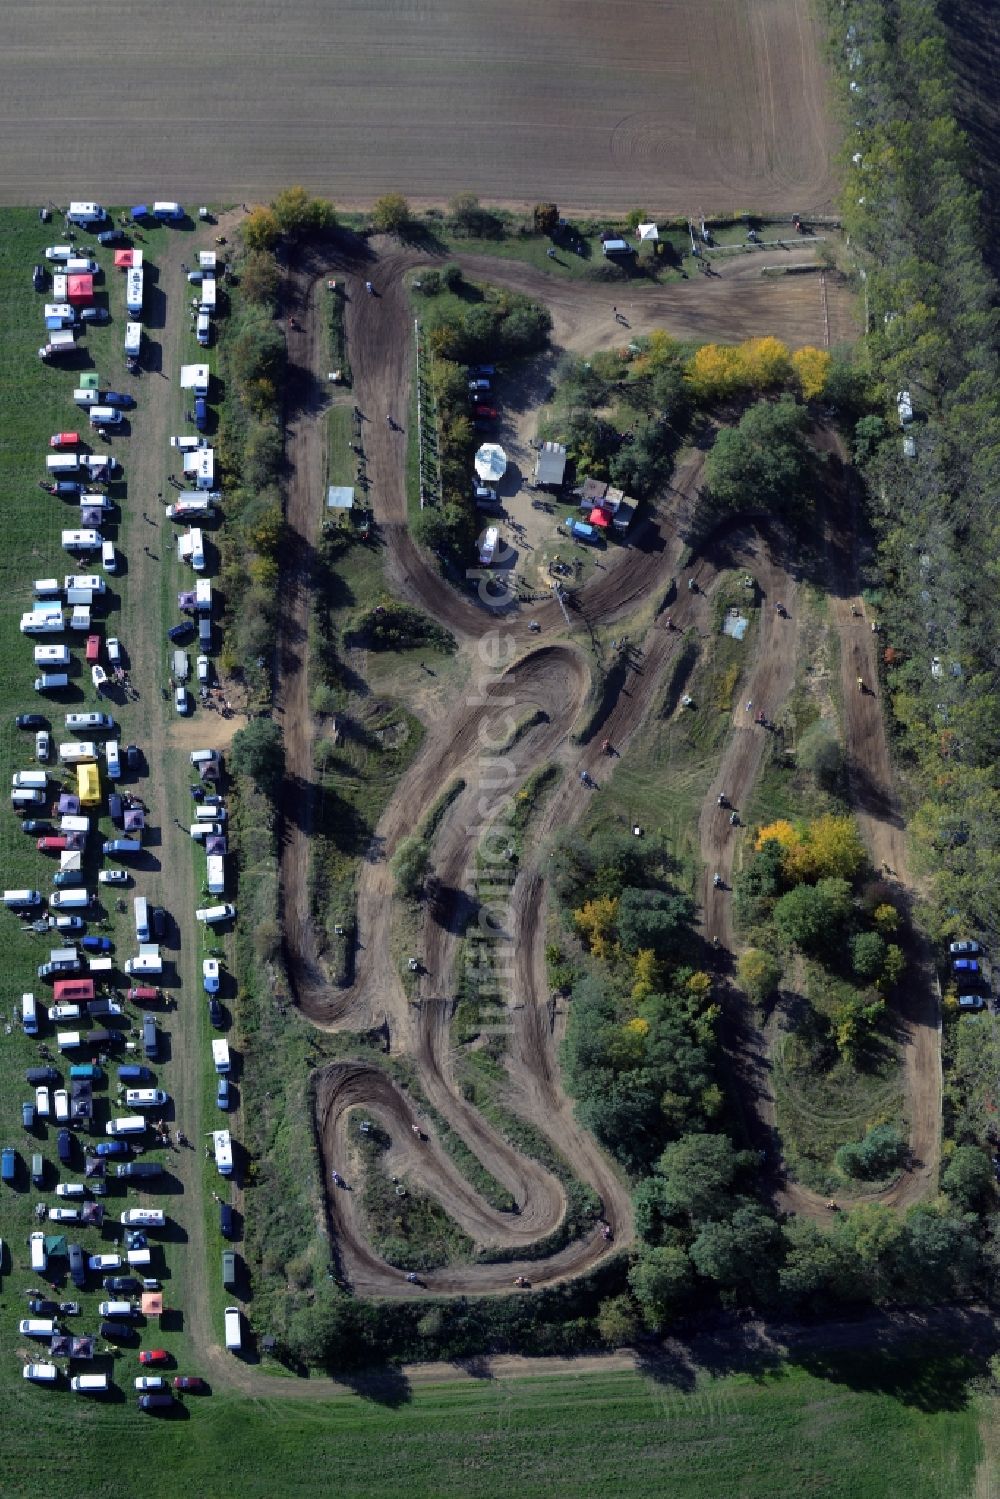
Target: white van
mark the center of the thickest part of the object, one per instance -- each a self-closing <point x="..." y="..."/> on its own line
<point x="115" y="1309"/>
<point x="85" y="214"/>
<point x="220" y="1056"/>
<point x="52" y="655"/>
<point x="30" y="780"/>
<point x="113" y="759"/>
<point x="27" y="798"/>
<point x="143" y="1218"/>
<point x="86" y="397"/>
<point x="139" y="1257"/>
<point x="129" y="1124"/>
<point x="203" y="329"/>
<point x="29" y="1015"/>
<point x="15" y="899"/>
<point x="197" y="549"/>
<point x="210" y="814"/>
<point x="39" y="1258"/>
<point x="74" y="899"/>
<point x="216" y="874"/>
<point x="46" y="588"/>
<point x="108" y="561"/>
<point x="40" y="1373"/>
<point x="63" y="464"/>
<point x="133" y="339"/>
<point x="167" y="211"/>
<point x="89" y="1384"/>
<point x="148" y="960"/>
<point x="37" y="1327"/>
<point x="105" y="416"/>
<point x="93" y="582"/>
<point x="141" y="907"/>
<point x="68" y="1040"/>
<point x="234" y="1341"/>
<point x="146" y="1098"/>
<point x="212" y="914"/>
<point x="206" y="302"/>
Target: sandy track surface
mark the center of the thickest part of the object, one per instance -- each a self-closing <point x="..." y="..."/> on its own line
<point x="549" y="673"/>
<point x="679" y="108"/>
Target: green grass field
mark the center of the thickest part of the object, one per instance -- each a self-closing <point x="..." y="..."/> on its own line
<point x="866" y="1430"/>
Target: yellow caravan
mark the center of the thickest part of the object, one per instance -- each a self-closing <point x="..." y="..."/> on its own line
<point x="88" y="785"/>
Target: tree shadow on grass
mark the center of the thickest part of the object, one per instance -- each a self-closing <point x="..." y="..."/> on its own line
<point x="388" y="1386"/>
<point x="932" y="1378"/>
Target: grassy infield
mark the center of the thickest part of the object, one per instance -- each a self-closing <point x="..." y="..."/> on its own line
<point x="849" y="1432"/>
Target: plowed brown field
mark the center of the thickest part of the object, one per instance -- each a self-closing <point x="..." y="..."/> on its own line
<point x="673" y="105"/>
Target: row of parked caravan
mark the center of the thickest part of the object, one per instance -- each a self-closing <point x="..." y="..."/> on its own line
<point x="75" y="1053"/>
<point x="81" y="970"/>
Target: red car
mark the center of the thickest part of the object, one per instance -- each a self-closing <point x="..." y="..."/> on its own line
<point x="154" y="1356"/>
<point x="486" y="413"/>
<point x="52" y="845"/>
<point x="64" y="439"/>
<point x="189" y="1382"/>
<point x="144" y="993"/>
<point x="93" y="651"/>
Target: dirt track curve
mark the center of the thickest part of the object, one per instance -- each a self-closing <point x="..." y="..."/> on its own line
<point x="549" y="672"/>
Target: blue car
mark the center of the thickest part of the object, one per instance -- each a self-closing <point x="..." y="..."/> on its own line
<point x="112" y="1147"/>
<point x="116" y="398"/>
<point x="222" y="1093"/>
<point x="97" y="944"/>
<point x="112" y="237"/>
<point x="965" y="965"/>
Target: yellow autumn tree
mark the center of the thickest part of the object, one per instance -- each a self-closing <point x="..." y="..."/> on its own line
<point x="638" y="1026"/>
<point x="714" y="371"/>
<point x="886" y="919"/>
<point x="660" y="349"/>
<point x="644" y="974"/>
<point x="812" y="367"/>
<point x="260" y="229"/>
<point x="763" y="362"/>
<point x="832" y="848"/>
<point x="781" y="832"/>
<point x="700" y="985"/>
<point x="596" y="922"/>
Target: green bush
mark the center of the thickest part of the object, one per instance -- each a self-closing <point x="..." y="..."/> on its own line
<point x="882" y="1152"/>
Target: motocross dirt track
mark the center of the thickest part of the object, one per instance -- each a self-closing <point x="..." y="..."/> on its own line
<point x="548" y="670"/>
<point x="681" y="107"/>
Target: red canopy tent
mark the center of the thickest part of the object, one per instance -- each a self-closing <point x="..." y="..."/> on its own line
<point x="598" y="517"/>
<point x="123" y="260"/>
<point x="80" y="290"/>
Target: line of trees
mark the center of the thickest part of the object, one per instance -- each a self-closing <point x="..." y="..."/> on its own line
<point x="914" y="222"/>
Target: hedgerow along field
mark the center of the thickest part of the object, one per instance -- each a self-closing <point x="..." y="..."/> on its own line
<point x="683" y="108"/>
<point x="871" y="1430"/>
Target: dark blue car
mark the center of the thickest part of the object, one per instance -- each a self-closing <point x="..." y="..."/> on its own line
<point x="112" y="1147"/>
<point x="116" y="398"/>
<point x="97" y="944"/>
<point x="180" y="632"/>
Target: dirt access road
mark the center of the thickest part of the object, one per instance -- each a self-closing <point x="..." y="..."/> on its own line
<point x="548" y="671"/>
<point x="678" y="108"/>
